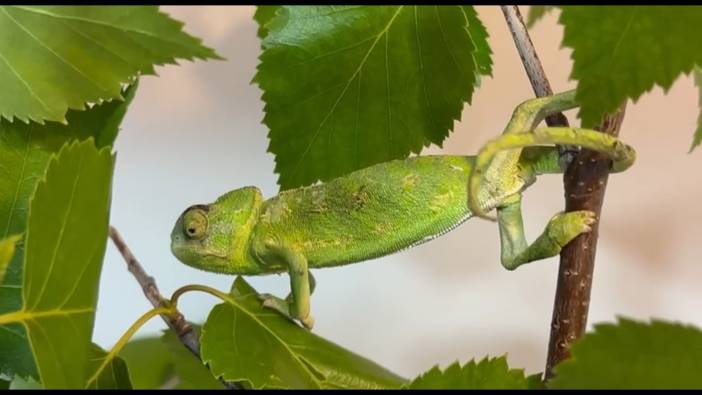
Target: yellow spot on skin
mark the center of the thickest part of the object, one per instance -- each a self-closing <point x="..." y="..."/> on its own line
<point x="360" y="197"/>
<point x="279" y="212"/>
<point x="441" y="201"/>
<point x="319" y="203"/>
<point x="409" y="181"/>
<point x="310" y="245"/>
<point x="382" y="228"/>
<point x="266" y="217"/>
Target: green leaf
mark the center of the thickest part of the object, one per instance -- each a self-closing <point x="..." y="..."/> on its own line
<point x="7" y="251"/>
<point x="263" y="15"/>
<point x="114" y="376"/>
<point x="489" y="373"/>
<point x="479" y="35"/>
<point x="619" y="53"/>
<point x="149" y="362"/>
<point x="53" y="58"/>
<point x="697" y="139"/>
<point x="163" y="362"/>
<point x="346" y="87"/>
<point x="534" y="381"/>
<point x="631" y="354"/>
<point x="192" y="373"/>
<point x="65" y="244"/>
<point x="243" y="341"/>
<point x="25" y="150"/>
<point x="537" y="12"/>
<point x="19" y="383"/>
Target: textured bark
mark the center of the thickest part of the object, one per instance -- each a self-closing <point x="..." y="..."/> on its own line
<point x="585" y="182"/>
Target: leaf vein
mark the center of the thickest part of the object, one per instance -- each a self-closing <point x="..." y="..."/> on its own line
<point x="343" y="92"/>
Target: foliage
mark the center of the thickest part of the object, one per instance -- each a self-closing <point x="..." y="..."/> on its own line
<point x="243" y="341"/>
<point x="613" y="48"/>
<point x="697" y="139"/>
<point x="344" y="87"/>
<point x="66" y="239"/>
<point x="163" y="362"/>
<point x="114" y="376"/>
<point x="122" y="39"/>
<point x="489" y="373"/>
<point x="537" y="12"/>
<point x="192" y="374"/>
<point x="620" y="53"/>
<point x="263" y="15"/>
<point x="631" y="354"/>
<point x="25" y="150"/>
<point x="149" y="363"/>
<point x="7" y="251"/>
<point x="371" y="83"/>
<point x="60" y="57"/>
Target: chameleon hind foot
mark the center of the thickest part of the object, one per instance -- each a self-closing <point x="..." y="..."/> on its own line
<point x="564" y="227"/>
<point x="283" y="307"/>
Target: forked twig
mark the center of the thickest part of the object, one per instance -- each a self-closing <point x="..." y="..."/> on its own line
<point x="177" y="321"/>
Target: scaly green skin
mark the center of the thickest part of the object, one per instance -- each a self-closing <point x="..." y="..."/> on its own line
<point x="389" y="207"/>
<point x="369" y="213"/>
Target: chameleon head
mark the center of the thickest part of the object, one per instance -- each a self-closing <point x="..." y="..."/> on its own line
<point x="216" y="237"/>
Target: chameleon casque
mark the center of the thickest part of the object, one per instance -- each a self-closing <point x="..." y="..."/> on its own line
<point x="391" y="206"/>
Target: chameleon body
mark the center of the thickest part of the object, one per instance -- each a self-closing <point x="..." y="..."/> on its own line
<point x="385" y="208"/>
<point x="389" y="207"/>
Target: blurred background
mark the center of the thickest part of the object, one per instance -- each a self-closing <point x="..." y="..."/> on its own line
<point x="195" y="132"/>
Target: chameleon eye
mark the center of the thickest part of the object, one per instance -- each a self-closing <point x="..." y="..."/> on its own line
<point x="195" y="224"/>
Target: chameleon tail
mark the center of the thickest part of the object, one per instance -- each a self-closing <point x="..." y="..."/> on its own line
<point x="622" y="155"/>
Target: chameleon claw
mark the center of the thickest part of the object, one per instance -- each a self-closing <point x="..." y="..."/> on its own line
<point x="477" y="212"/>
<point x="308" y="322"/>
<point x="283" y="308"/>
<point x="275" y="303"/>
<point x="488" y="217"/>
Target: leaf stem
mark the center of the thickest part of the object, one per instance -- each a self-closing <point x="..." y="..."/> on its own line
<point x="12" y="317"/>
<point x="128" y="335"/>
<point x="202" y="288"/>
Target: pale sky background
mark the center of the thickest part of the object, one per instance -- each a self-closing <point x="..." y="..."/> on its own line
<point x="195" y="132"/>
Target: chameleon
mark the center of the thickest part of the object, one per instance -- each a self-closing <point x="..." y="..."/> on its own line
<point x="392" y="206"/>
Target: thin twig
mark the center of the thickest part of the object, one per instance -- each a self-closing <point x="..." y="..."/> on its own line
<point x="177" y="321"/>
<point x="536" y="74"/>
<point x="585" y="182"/>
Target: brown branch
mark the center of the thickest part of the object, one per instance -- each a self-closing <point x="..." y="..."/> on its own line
<point x="176" y="322"/>
<point x="584" y="182"/>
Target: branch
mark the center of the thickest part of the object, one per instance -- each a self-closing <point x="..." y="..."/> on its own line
<point x="536" y="74"/>
<point x="177" y="321"/>
<point x="585" y="182"/>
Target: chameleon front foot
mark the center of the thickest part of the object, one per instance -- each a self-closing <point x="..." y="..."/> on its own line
<point x="283" y="307"/>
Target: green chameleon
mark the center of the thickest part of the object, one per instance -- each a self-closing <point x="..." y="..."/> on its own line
<point x="392" y="206"/>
